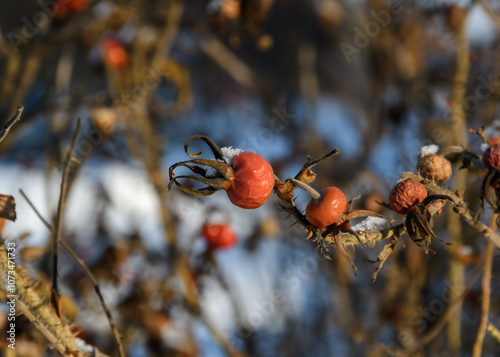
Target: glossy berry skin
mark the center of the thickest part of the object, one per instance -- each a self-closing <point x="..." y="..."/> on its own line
<point x="218" y="235"/>
<point x="406" y="195"/>
<point x="491" y="157"/>
<point x="328" y="208"/>
<point x="252" y="180"/>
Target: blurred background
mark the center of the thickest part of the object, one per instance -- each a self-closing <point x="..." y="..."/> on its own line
<point x="286" y="79"/>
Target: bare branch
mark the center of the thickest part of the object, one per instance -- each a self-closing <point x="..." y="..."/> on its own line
<point x="10" y="123"/>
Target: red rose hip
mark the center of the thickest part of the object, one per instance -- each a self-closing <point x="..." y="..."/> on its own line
<point x="327" y="208"/>
<point x="252" y="182"/>
<point x="406" y="195"/>
<point x="115" y="55"/>
<point x="218" y="235"/>
<point x="491" y="157"/>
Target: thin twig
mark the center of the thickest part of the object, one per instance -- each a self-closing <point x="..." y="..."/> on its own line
<point x="492" y="329"/>
<point x="229" y="61"/>
<point x="87" y="272"/>
<point x="485" y="292"/>
<point x="59" y="217"/>
<point x="493" y="16"/>
<point x="10" y="123"/>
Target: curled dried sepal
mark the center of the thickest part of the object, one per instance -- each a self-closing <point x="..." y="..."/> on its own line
<point x="214" y="181"/>
<point x="418" y="222"/>
<point x="213" y="146"/>
<point x="216" y="174"/>
<point x="490" y="191"/>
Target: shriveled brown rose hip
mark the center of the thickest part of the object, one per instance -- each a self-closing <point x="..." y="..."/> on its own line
<point x="406" y="195"/>
<point x="491" y="157"/>
<point x="434" y="167"/>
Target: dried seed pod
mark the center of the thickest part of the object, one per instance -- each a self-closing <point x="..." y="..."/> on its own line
<point x="491" y="157"/>
<point x="406" y="195"/>
<point x="434" y="167"/>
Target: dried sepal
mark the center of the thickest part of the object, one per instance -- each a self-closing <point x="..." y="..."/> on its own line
<point x="213" y="146"/>
<point x="482" y="133"/>
<point x="219" y="176"/>
<point x="418" y="222"/>
<point x="7" y="207"/>
<point x="284" y="190"/>
<point x="383" y="255"/>
<point x="490" y="191"/>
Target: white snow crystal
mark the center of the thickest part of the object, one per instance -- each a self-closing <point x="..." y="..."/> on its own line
<point x="370" y="223"/>
<point x="230" y="152"/>
<point x="82" y="345"/>
<point x="429" y="149"/>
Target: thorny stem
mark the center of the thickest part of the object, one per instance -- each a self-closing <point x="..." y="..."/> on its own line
<point x="461" y="208"/>
<point x="311" y="191"/>
<point x="394" y="232"/>
<point x="485" y="293"/>
<point x="10" y="123"/>
<point x="59" y="217"/>
<point x="87" y="273"/>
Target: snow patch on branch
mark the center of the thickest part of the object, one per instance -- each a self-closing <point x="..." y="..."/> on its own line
<point x="370" y="224"/>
